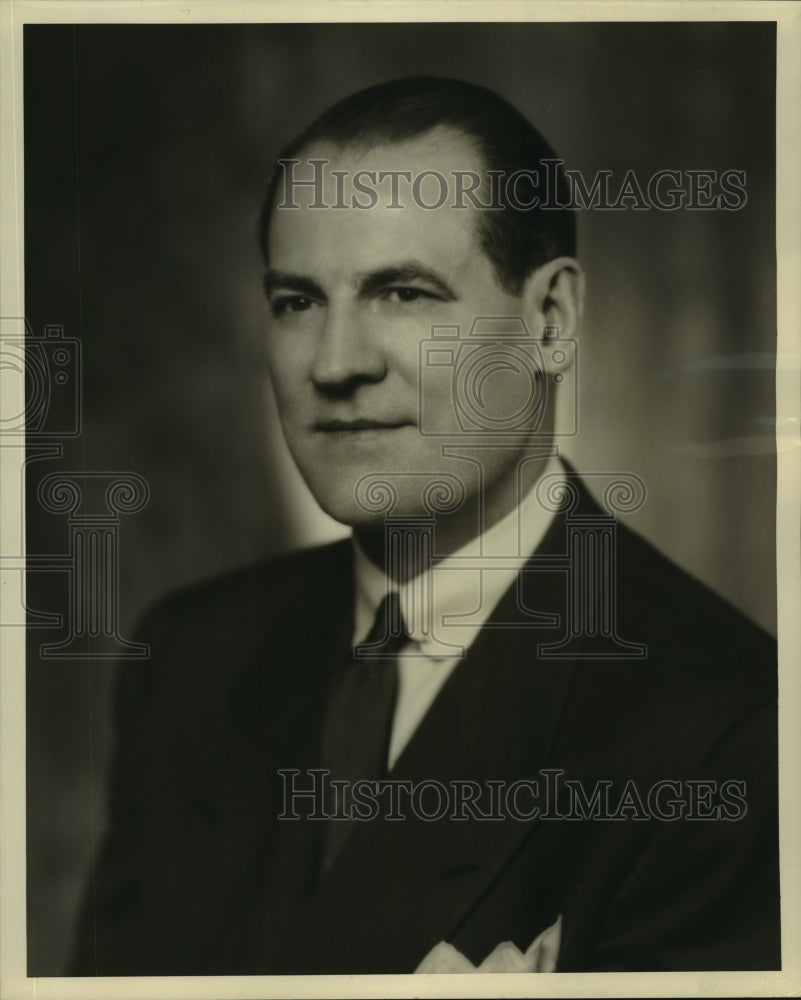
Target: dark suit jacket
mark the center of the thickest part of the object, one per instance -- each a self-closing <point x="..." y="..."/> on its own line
<point x="196" y="875"/>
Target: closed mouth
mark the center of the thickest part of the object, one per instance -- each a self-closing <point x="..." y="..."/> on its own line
<point x="334" y="426"/>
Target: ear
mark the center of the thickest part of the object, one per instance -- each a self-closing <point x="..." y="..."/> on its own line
<point x="553" y="300"/>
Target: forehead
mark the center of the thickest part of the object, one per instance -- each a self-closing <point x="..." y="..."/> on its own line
<point x="351" y="204"/>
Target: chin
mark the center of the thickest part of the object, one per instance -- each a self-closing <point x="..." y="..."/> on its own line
<point x="362" y="494"/>
<point x="349" y="513"/>
<point x="335" y="493"/>
<point x="387" y="501"/>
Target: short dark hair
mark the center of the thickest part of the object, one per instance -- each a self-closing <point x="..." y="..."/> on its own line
<point x="516" y="239"/>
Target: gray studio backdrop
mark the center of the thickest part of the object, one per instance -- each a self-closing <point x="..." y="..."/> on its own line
<point x="146" y="154"/>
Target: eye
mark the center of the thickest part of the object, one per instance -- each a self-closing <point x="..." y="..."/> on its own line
<point x="406" y="294"/>
<point x="290" y="303"/>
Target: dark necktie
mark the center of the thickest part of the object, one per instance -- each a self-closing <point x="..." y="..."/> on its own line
<point x="358" y="724"/>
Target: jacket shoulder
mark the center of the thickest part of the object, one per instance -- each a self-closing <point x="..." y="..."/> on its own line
<point x="680" y="611"/>
<point x="253" y="596"/>
<point x="706" y="669"/>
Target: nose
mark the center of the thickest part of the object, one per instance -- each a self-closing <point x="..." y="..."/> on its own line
<point x="348" y="350"/>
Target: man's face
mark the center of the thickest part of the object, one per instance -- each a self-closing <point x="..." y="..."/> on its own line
<point x="353" y="293"/>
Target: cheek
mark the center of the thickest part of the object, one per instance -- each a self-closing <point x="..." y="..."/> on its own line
<point x="288" y="371"/>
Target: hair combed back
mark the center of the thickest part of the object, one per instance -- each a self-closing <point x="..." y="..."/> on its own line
<point x="517" y="240"/>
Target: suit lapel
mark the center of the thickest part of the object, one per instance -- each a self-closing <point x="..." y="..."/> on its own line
<point x="399" y="887"/>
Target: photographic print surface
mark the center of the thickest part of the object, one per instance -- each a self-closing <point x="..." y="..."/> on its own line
<point x="399" y="497"/>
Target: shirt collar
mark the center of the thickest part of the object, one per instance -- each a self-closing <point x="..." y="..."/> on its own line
<point x="468" y="583"/>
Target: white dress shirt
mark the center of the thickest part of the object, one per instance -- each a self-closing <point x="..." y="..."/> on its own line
<point x="467" y="584"/>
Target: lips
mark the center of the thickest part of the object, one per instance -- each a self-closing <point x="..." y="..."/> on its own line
<point x="362" y="424"/>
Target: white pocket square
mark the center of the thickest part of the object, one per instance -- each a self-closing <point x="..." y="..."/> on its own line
<point x="540" y="956"/>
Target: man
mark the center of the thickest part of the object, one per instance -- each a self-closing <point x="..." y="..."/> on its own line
<point x="600" y="728"/>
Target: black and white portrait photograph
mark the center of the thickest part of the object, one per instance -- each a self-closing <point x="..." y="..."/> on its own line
<point x="399" y="447"/>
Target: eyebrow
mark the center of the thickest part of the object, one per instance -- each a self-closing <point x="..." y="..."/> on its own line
<point x="369" y="282"/>
<point x="274" y="280"/>
<point x="397" y="274"/>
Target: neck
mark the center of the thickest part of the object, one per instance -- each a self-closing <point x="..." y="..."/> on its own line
<point x="452" y="532"/>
